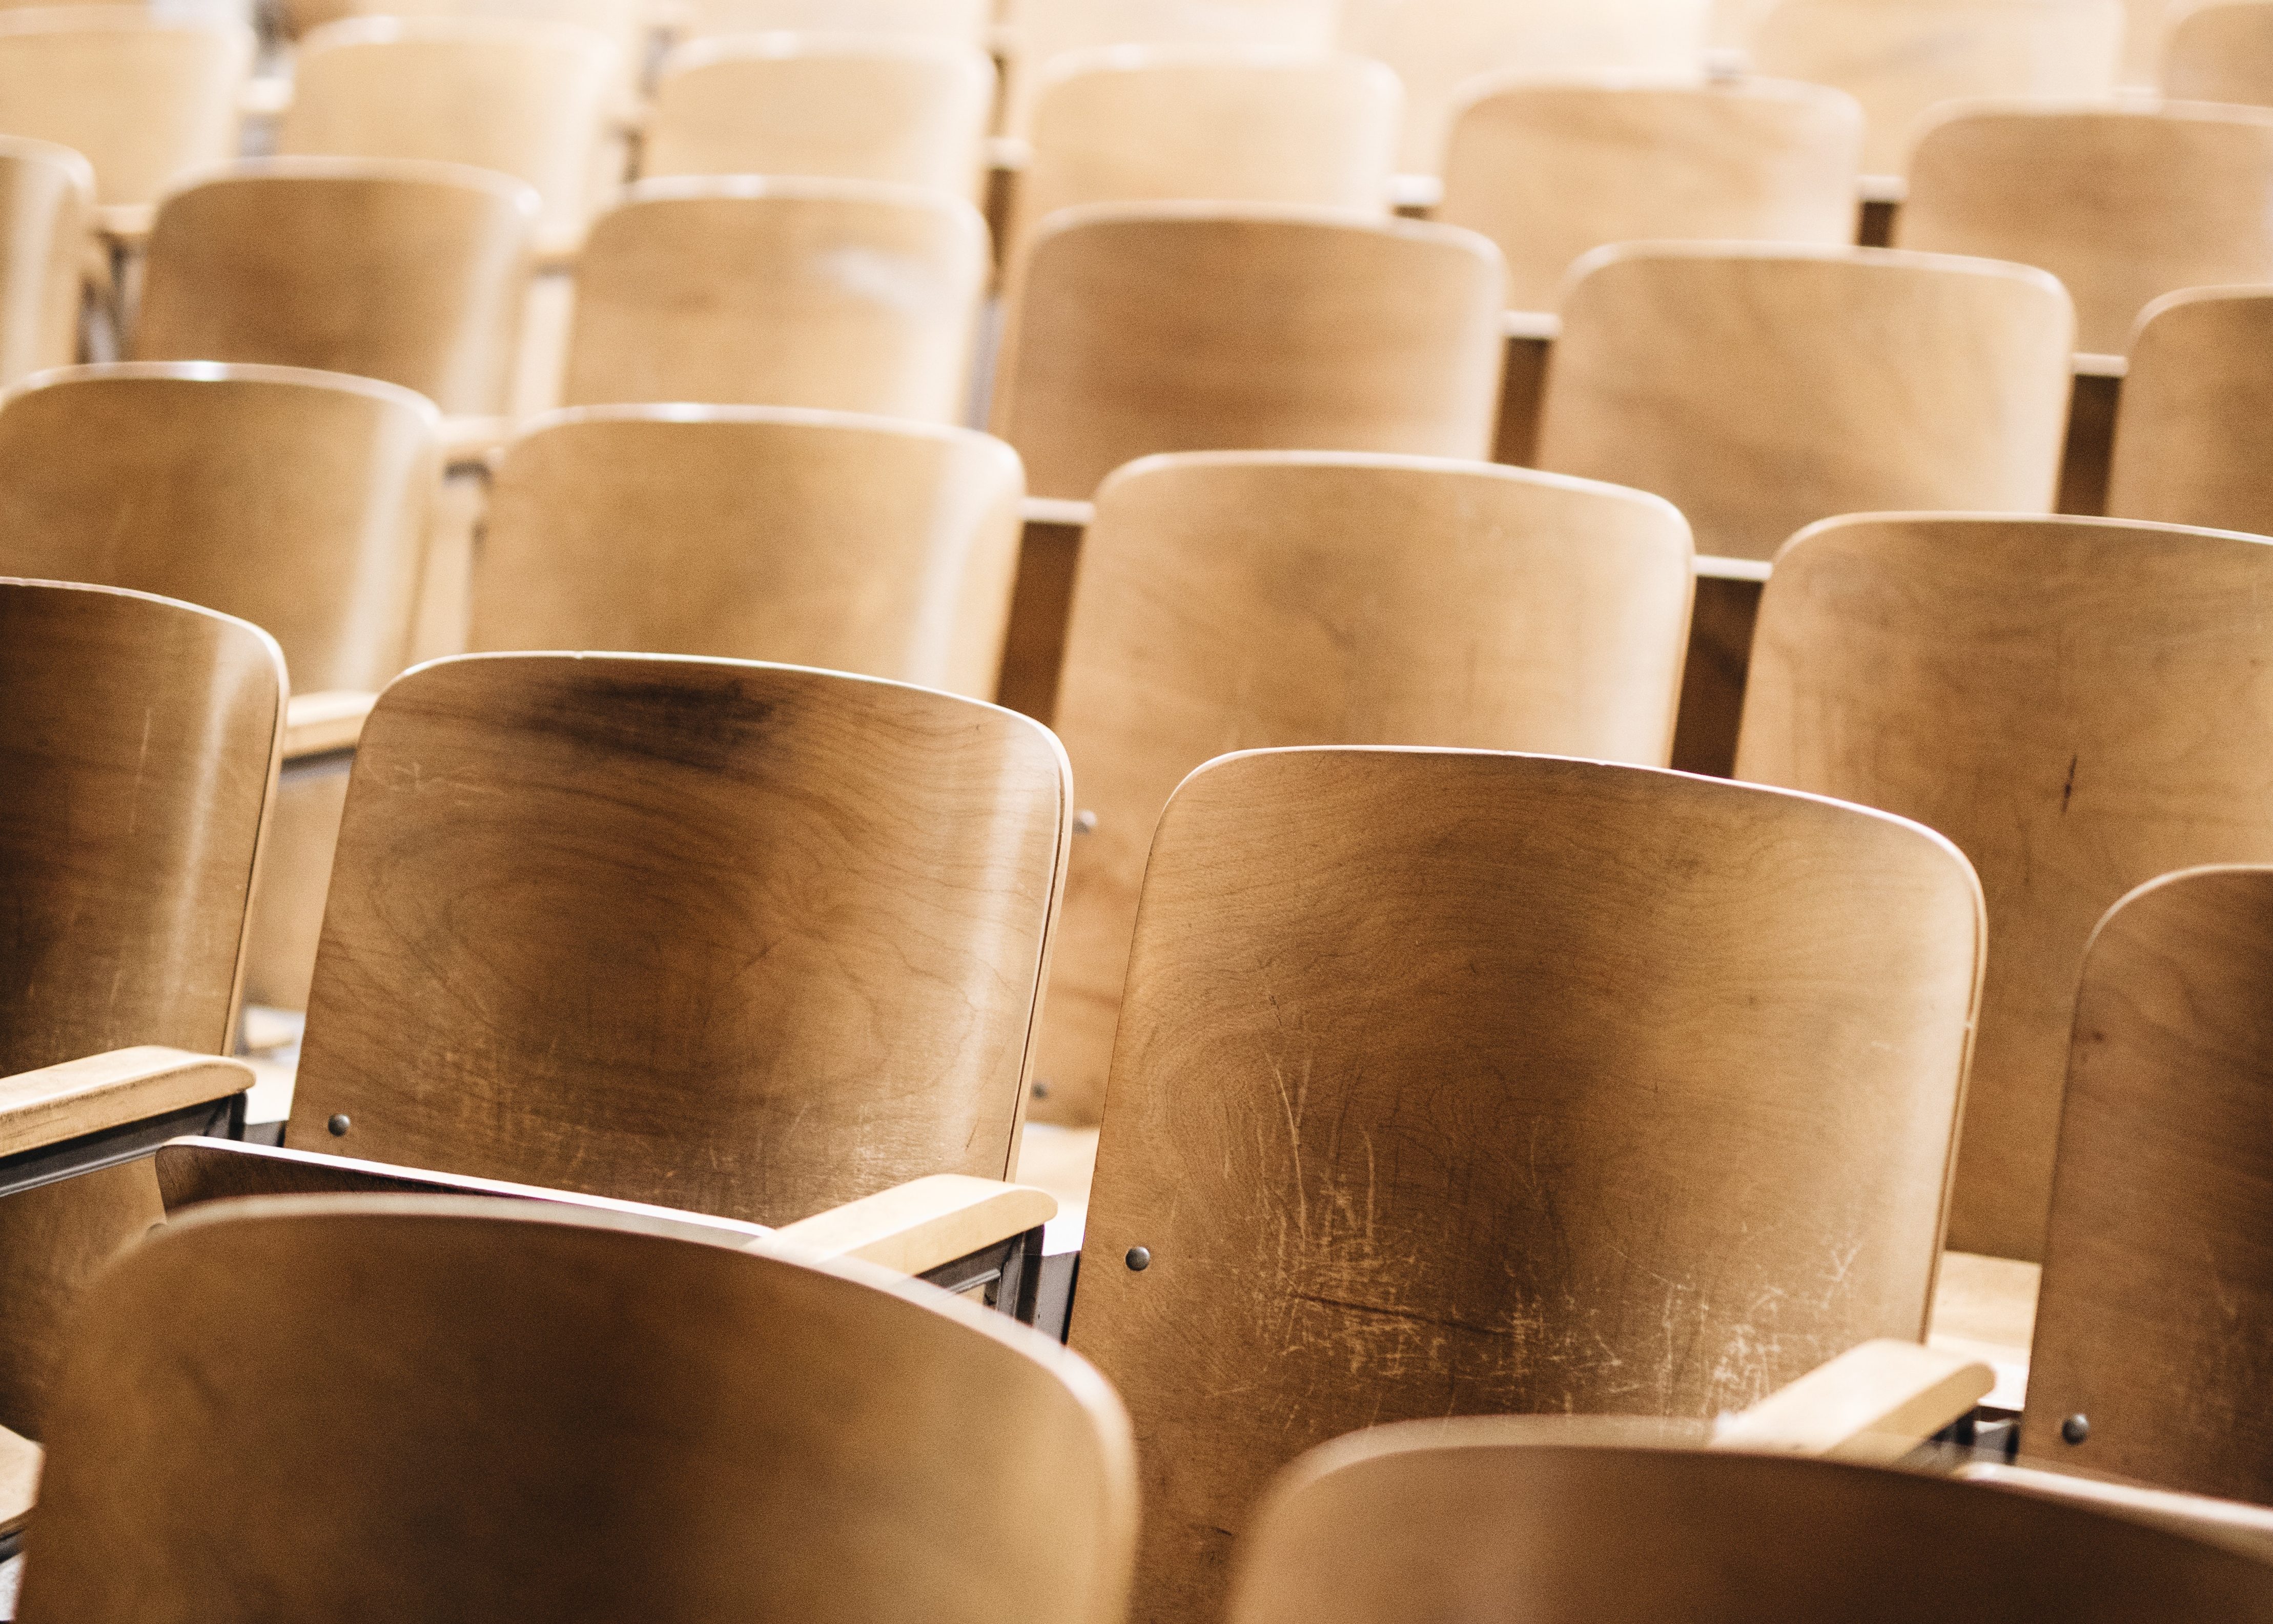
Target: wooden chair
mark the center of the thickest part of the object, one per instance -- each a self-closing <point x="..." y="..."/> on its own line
<point x="2194" y="429"/>
<point x="1550" y="171"/>
<point x="2123" y="206"/>
<point x="2080" y="704"/>
<point x="912" y="111"/>
<point x="629" y="25"/>
<point x="2222" y="51"/>
<point x="1901" y="57"/>
<point x="846" y="296"/>
<point x="525" y="99"/>
<point x="1043" y="31"/>
<point x="1555" y="1522"/>
<point x="47" y="208"/>
<point x="1198" y="326"/>
<point x="1230" y="600"/>
<point x="811" y="538"/>
<point x="410" y="272"/>
<point x="1451" y="1082"/>
<point x="691" y="1434"/>
<point x="965" y="22"/>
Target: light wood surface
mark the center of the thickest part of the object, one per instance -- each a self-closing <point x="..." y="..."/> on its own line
<point x="2221" y="52"/>
<point x="695" y="1434"/>
<point x="1040" y="31"/>
<point x="1549" y="171"/>
<point x="47" y="208"/>
<point x="1555" y="1522"/>
<point x="20" y="1460"/>
<point x="2247" y="1529"/>
<point x="143" y="99"/>
<point x="296" y="500"/>
<point x="1759" y="389"/>
<point x="751" y="940"/>
<point x="1232" y="601"/>
<point x="965" y="21"/>
<point x="630" y="25"/>
<point x="922" y="1223"/>
<point x="2080" y="704"/>
<point x="1197" y="326"/>
<point x="812" y="538"/>
<point x="1451" y="1082"/>
<point x="1901" y="58"/>
<point x="2194" y="432"/>
<point x="2123" y="206"/>
<point x="320" y="724"/>
<point x="912" y="111"/>
<point x="1985" y="1308"/>
<point x="1877" y="1402"/>
<point x="50" y="1103"/>
<point x="411" y="273"/>
<point x="850" y="296"/>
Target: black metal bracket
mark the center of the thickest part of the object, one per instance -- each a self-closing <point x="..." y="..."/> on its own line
<point x="1007" y="1274"/>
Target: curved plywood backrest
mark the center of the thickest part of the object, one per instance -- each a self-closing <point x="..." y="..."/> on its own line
<point x="145" y="99"/>
<point x="748" y="939"/>
<point x="2221" y="52"/>
<point x="626" y="22"/>
<point x="911" y="112"/>
<point x="1232" y="600"/>
<point x="1551" y="171"/>
<point x="410" y="272"/>
<point x="2122" y="206"/>
<point x="1202" y="327"/>
<point x="812" y="538"/>
<point x="965" y="21"/>
<point x="273" y="1403"/>
<point x="1555" y="1522"/>
<point x="296" y="500"/>
<point x="1454" y="1083"/>
<point x="1761" y="389"/>
<point x="46" y="200"/>
<point x="2080" y="704"/>
<point x="1901" y="57"/>
<point x="2157" y="1310"/>
<point x="2194" y="432"/>
<point x="1041" y="32"/>
<point x="846" y="296"/>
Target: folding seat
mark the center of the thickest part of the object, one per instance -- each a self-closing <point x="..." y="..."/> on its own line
<point x="1202" y="326"/>
<point x="846" y="295"/>
<point x="1452" y="1083"/>
<point x="1234" y="600"/>
<point x="421" y="1408"/>
<point x="2222" y="51"/>
<point x="966" y="22"/>
<point x="811" y="538"/>
<point x="912" y="111"/>
<point x="2193" y="433"/>
<point x="2122" y="205"/>
<point x="47" y="208"/>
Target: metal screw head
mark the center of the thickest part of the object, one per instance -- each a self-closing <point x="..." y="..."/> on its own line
<point x="1041" y="1088"/>
<point x="1084" y="823"/>
<point x="339" y="1127"/>
<point x="1140" y="1259"/>
<point x="2076" y="1429"/>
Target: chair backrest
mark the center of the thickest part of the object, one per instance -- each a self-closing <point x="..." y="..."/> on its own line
<point x="143" y="99"/>
<point x="1203" y="326"/>
<point x="47" y="200"/>
<point x="1044" y="30"/>
<point x="2081" y="704"/>
<point x="296" y="500"/>
<point x="1214" y="123"/>
<point x="629" y="25"/>
<point x="1759" y="389"/>
<point x="1557" y="1522"/>
<point x="1901" y="57"/>
<point x="812" y="538"/>
<point x="2222" y="51"/>
<point x="1437" y="46"/>
<point x="2123" y="206"/>
<point x="2194" y="430"/>
<point x="911" y="111"/>
<point x="1549" y="171"/>
<point x="748" y="939"/>
<point x="409" y="272"/>
<point x="1238" y="600"/>
<point x="524" y="98"/>
<point x="846" y="295"/>
<point x="966" y="22"/>
<point x="1454" y="1083"/>
<point x="560" y="1418"/>
<point x="2156" y="1309"/>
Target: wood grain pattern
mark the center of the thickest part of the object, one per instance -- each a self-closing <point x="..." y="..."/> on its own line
<point x="1200" y="327"/>
<point x="812" y="538"/>
<point x="1232" y="601"/>
<point x="2080" y="704"/>
<point x="2122" y="205"/>
<point x="747" y="940"/>
<point x="411" y="273"/>
<point x="51" y="1103"/>
<point x="2193" y="433"/>
<point x="697" y="1433"/>
<point x="1551" y="171"/>
<point x="2221" y="52"/>
<point x="47" y="203"/>
<point x="1453" y="1082"/>
<point x="1761" y="389"/>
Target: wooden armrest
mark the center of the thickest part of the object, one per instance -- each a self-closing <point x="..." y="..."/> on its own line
<point x="317" y="724"/>
<point x="1537" y="326"/>
<point x="1416" y="191"/>
<point x="1881" y="188"/>
<point x="1058" y="511"/>
<point x="1010" y="152"/>
<point x="474" y="442"/>
<point x="56" y="1102"/>
<point x="265" y="97"/>
<point x="2245" y="1528"/>
<point x="20" y="1460"/>
<point x="1876" y="1401"/>
<point x="916" y="1227"/>
<point x="126" y="225"/>
<point x="2090" y="365"/>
